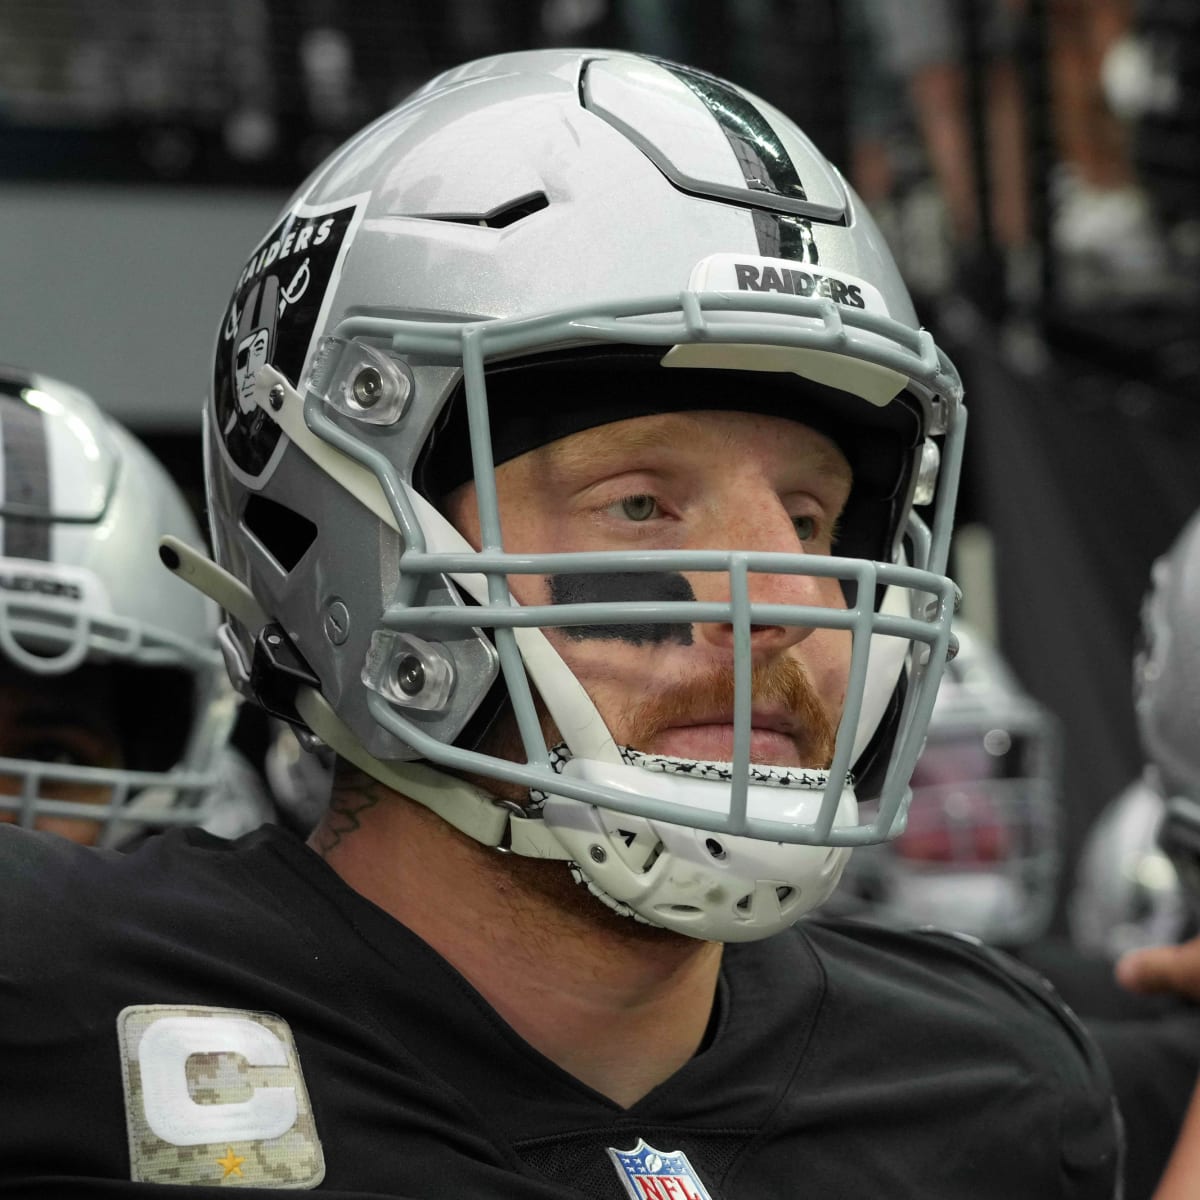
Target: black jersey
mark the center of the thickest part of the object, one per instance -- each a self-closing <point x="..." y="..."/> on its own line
<point x="165" y="1014"/>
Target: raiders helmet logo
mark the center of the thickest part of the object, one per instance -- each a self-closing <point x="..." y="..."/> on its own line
<point x="277" y="308"/>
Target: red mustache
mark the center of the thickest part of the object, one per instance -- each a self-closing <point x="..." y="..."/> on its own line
<point x="781" y="685"/>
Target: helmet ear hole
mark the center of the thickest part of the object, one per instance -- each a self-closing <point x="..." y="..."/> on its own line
<point x="281" y="531"/>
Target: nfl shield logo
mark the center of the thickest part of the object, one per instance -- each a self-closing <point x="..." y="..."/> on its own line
<point x="650" y="1174"/>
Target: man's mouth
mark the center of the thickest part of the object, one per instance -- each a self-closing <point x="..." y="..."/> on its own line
<point x="774" y="739"/>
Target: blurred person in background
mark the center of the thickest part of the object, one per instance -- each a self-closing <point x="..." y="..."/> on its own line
<point x="1126" y="892"/>
<point x="1103" y="232"/>
<point x="1102" y="219"/>
<point x="1167" y="702"/>
<point x="980" y="853"/>
<point x="923" y="44"/>
<point x="114" y="706"/>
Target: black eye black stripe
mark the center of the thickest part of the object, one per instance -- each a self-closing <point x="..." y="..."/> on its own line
<point x="616" y="586"/>
<point x="26" y="458"/>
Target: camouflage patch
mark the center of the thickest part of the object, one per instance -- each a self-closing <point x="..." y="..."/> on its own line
<point x="216" y="1096"/>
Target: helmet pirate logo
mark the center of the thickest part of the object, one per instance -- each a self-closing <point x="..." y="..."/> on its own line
<point x="280" y="299"/>
<point x="253" y="349"/>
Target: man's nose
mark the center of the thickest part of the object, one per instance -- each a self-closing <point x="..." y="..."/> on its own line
<point x="769" y="532"/>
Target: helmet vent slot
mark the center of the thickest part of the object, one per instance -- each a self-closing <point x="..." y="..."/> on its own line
<point x="498" y="218"/>
<point x="282" y="532"/>
<point x="652" y="857"/>
<point x="639" y="851"/>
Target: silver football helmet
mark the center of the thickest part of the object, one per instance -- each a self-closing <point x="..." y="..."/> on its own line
<point x="81" y="588"/>
<point x="1167" y="700"/>
<point x="1139" y="866"/>
<point x="981" y="851"/>
<point x="1126" y="892"/>
<point x="1166" y="683"/>
<point x="434" y="300"/>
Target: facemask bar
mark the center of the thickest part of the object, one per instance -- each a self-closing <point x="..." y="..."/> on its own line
<point x="77" y="635"/>
<point x="133" y="798"/>
<point x="803" y="322"/>
<point x="508" y="618"/>
<point x="1023" y="811"/>
<point x="667" y="321"/>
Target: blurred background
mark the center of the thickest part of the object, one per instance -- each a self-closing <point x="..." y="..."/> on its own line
<point x="1034" y="163"/>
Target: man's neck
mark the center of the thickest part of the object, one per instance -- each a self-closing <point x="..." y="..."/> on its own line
<point x="616" y="1004"/>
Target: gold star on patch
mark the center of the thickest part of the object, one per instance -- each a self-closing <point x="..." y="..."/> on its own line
<point x="232" y="1163"/>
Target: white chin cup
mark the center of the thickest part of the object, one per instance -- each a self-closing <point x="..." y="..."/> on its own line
<point x="707" y="885"/>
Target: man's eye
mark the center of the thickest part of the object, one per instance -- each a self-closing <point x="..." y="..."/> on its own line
<point x="639" y="508"/>
<point x="60" y="754"/>
<point x="806" y="528"/>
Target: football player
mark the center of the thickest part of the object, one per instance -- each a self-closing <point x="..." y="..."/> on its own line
<point x="1167" y="703"/>
<point x="980" y="852"/>
<point x="114" y="706"/>
<point x="591" y="502"/>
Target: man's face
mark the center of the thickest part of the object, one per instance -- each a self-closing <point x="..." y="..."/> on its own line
<point x="68" y="720"/>
<point x="687" y="481"/>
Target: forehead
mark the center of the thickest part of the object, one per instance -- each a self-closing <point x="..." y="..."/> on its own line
<point x="687" y="435"/>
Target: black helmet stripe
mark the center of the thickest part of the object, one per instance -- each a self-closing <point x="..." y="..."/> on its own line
<point x="766" y="165"/>
<point x="26" y="465"/>
<point x="764" y="160"/>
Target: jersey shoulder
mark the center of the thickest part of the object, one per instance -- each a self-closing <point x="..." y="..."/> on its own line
<point x="96" y="906"/>
<point x="951" y="978"/>
<point x="927" y="1040"/>
<point x="944" y="1005"/>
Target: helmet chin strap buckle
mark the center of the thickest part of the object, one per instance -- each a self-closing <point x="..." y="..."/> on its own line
<point x="277" y="670"/>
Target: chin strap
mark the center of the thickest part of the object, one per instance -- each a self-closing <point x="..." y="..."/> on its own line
<point x="471" y="810"/>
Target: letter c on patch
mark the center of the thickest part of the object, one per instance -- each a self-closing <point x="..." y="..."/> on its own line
<point x="171" y="1112"/>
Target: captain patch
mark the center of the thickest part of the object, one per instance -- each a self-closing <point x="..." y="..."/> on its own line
<point x="215" y="1096"/>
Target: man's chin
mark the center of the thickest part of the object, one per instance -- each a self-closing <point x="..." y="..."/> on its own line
<point x="551" y="885"/>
